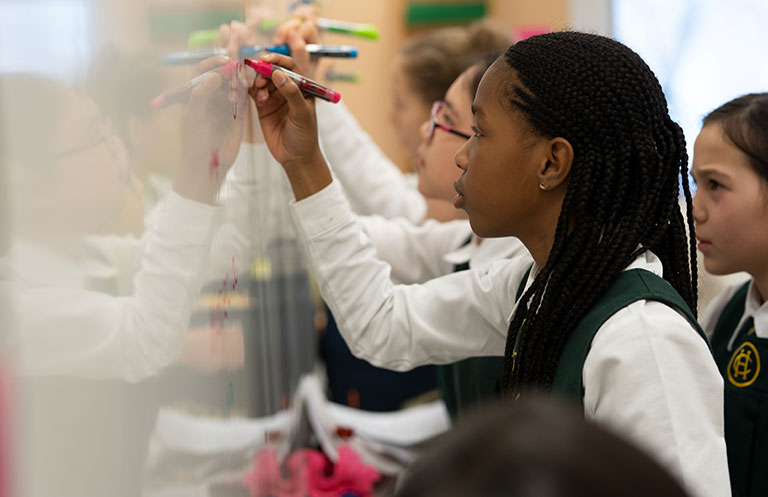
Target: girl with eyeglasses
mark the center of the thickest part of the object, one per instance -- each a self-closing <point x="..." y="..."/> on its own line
<point x="574" y="153"/>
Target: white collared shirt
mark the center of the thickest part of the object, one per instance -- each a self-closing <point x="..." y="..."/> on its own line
<point x="648" y="375"/>
<point x="753" y="307"/>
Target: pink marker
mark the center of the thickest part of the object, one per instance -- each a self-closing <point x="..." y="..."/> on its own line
<point x="305" y="84"/>
<point x="182" y="93"/>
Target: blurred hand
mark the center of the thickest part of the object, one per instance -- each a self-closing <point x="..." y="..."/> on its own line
<point x="305" y="12"/>
<point x="233" y="36"/>
<point x="297" y="32"/>
<point x="213" y="132"/>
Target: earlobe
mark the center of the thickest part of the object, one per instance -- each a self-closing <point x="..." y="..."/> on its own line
<point x="557" y="165"/>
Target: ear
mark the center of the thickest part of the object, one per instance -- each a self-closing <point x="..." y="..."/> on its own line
<point x="556" y="166"/>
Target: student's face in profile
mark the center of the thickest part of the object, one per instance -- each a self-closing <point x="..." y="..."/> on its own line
<point x="435" y="165"/>
<point x="498" y="187"/>
<point x="88" y="180"/>
<point x="730" y="207"/>
<point x="408" y="110"/>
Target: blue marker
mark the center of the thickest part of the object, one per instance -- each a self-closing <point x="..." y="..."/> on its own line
<point x="195" y="56"/>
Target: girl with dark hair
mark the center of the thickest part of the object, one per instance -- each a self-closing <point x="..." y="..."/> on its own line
<point x="730" y="165"/>
<point x="574" y="153"/>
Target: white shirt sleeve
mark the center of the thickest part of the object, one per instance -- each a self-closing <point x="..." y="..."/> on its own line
<point x="415" y="253"/>
<point x="373" y="183"/>
<point x="651" y="377"/>
<point x="402" y="326"/>
<point x="77" y="332"/>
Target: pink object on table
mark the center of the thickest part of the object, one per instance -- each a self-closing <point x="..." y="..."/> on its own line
<point x="310" y="473"/>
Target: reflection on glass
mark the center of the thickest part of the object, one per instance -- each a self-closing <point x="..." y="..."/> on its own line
<point x="153" y="267"/>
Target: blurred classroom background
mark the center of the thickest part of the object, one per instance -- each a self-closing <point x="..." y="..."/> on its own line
<point x="253" y="330"/>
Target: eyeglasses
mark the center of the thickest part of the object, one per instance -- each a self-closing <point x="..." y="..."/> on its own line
<point x="107" y="137"/>
<point x="104" y="135"/>
<point x="433" y="123"/>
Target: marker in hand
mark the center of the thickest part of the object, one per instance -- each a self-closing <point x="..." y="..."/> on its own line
<point x="314" y="50"/>
<point x="183" y="92"/>
<point x="306" y="85"/>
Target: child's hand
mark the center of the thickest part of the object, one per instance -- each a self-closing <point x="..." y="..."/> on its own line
<point x="297" y="32"/>
<point x="287" y="116"/>
<point x="290" y="128"/>
<point x="213" y="131"/>
<point x="232" y="36"/>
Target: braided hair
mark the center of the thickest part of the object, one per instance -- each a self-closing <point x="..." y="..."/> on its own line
<point x="622" y="194"/>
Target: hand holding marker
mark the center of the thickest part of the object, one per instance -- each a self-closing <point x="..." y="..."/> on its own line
<point x="193" y="57"/>
<point x="181" y="94"/>
<point x="306" y="85"/>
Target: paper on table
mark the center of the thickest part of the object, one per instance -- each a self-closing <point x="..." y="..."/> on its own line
<point x="404" y="428"/>
<point x="385" y="440"/>
<point x="206" y="436"/>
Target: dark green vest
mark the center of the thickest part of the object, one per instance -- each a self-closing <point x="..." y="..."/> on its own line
<point x="629" y="287"/>
<point x="471" y="382"/>
<point x="743" y="367"/>
<point x="476" y="380"/>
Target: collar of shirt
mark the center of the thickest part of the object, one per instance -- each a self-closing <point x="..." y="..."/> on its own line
<point x="756" y="309"/>
<point x="647" y="260"/>
<point x="481" y="255"/>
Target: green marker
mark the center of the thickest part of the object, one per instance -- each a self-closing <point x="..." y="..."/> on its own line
<point x="203" y="38"/>
<point x="349" y="28"/>
<point x="268" y="25"/>
<point x="368" y="31"/>
<point x="206" y="38"/>
<point x="344" y="77"/>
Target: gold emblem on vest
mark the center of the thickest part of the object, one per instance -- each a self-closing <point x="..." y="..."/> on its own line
<point x="744" y="366"/>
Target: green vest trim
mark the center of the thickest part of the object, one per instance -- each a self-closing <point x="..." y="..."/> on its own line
<point x="746" y="396"/>
<point x="630" y="286"/>
<point x="726" y="325"/>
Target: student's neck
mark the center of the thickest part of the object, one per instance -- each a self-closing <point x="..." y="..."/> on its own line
<point x="539" y="245"/>
<point x="761" y="283"/>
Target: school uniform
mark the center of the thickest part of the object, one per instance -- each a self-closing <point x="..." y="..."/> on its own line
<point x="648" y="374"/>
<point x="737" y="321"/>
<point x="373" y="184"/>
<point x="420" y="253"/>
<point x="95" y="328"/>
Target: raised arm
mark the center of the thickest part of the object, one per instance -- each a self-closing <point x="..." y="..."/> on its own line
<point x="394" y="326"/>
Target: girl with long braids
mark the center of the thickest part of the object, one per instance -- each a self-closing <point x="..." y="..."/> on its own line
<point x="730" y="165"/>
<point x="574" y="153"/>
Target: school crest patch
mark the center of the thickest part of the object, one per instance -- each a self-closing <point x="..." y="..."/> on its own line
<point x="744" y="366"/>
